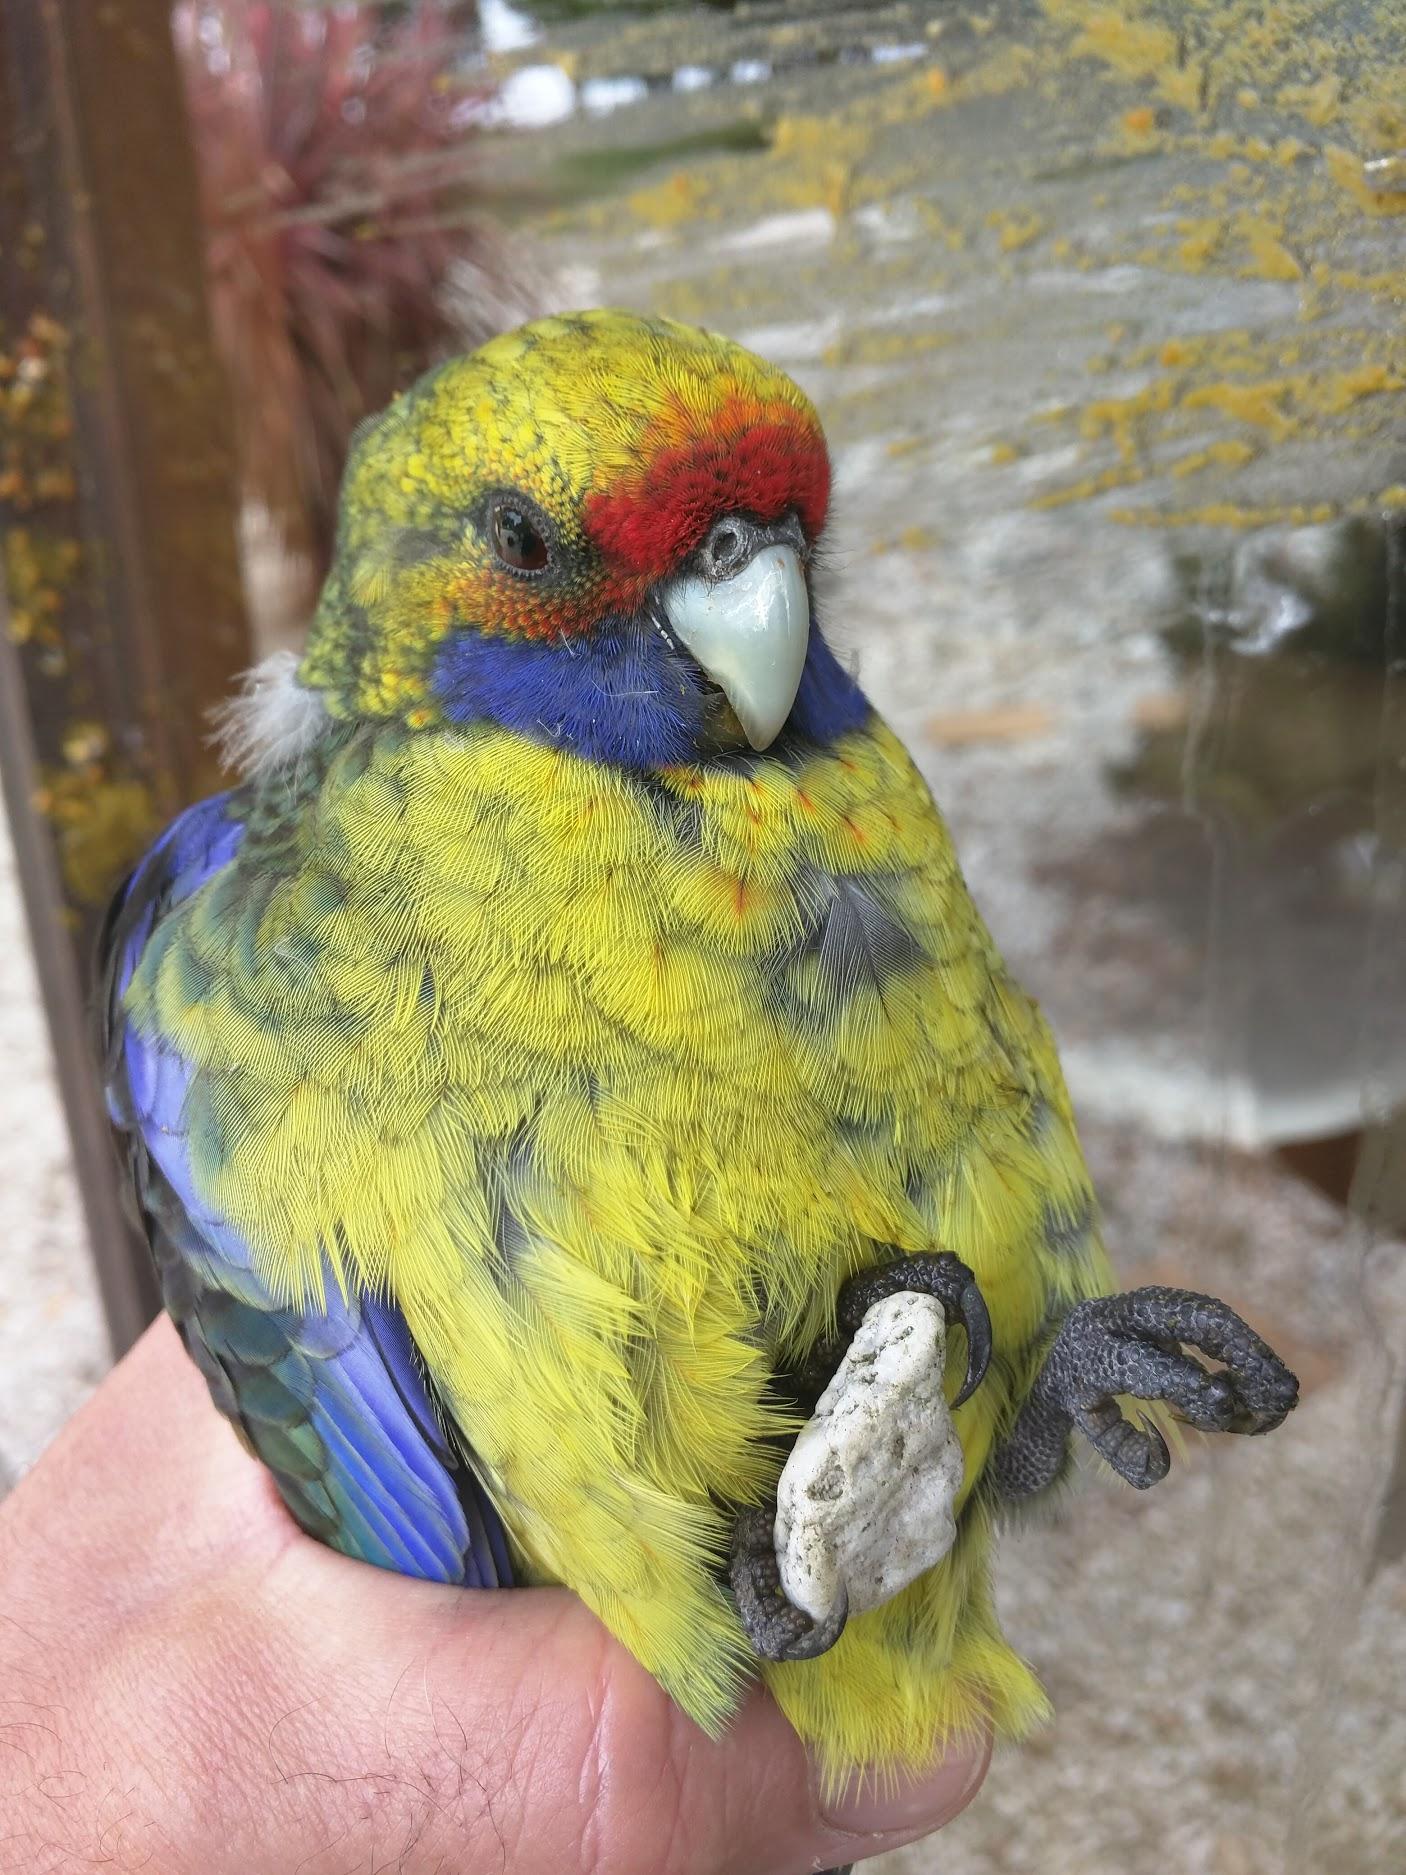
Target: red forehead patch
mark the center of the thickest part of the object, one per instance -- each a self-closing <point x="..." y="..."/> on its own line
<point x="652" y="523"/>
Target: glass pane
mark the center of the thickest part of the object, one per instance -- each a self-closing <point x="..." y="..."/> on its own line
<point x="1102" y="307"/>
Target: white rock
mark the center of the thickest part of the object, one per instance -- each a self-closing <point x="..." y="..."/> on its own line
<point x="865" y="1500"/>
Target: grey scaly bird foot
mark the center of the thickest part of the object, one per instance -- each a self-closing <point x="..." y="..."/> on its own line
<point x="938" y="1274"/>
<point x="776" y="1628"/>
<point x="1134" y="1344"/>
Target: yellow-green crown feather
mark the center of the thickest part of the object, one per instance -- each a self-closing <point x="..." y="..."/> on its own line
<point x="627" y="434"/>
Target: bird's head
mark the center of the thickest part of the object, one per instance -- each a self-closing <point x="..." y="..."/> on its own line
<point x="597" y="530"/>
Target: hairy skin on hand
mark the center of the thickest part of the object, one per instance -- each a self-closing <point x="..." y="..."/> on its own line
<point x="189" y="1684"/>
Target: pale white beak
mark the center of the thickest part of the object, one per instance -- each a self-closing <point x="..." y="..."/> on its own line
<point x="749" y="632"/>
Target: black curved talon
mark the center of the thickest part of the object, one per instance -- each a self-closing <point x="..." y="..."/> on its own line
<point x="1135" y="1344"/>
<point x="941" y="1275"/>
<point x="777" y="1629"/>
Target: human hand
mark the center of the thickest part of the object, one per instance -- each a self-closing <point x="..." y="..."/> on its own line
<point x="189" y="1685"/>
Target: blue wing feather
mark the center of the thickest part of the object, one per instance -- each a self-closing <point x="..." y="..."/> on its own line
<point x="333" y="1399"/>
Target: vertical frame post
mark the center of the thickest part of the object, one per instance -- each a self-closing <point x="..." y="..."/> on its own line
<point x="121" y="614"/>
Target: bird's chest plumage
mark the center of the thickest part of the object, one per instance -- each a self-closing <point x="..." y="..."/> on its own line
<point x="653" y="1062"/>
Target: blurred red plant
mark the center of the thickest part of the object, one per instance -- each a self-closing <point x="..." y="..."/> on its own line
<point x="332" y="143"/>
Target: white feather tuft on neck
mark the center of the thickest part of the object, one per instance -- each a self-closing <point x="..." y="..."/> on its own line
<point x="273" y="720"/>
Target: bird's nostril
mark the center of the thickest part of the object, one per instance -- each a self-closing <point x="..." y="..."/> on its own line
<point x="724" y="546"/>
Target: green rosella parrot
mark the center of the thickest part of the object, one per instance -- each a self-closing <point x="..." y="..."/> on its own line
<point x="575" y="1021"/>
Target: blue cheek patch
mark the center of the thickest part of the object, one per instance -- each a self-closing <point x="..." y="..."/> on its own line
<point x="829" y="703"/>
<point x="620" y="693"/>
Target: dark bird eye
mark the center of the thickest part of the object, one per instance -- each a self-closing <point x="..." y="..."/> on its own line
<point x="518" y="543"/>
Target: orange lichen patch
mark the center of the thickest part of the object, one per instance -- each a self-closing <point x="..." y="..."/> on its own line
<point x="1269" y="258"/>
<point x="1289" y="151"/>
<point x="1120" y="417"/>
<point x="101" y="823"/>
<point x="1136" y="48"/>
<point x="1226" y="352"/>
<point x="804" y="136"/>
<point x="909" y="100"/>
<point x="1377" y="116"/>
<point x="940" y="228"/>
<point x="815" y="159"/>
<point x="1010" y="69"/>
<point x="1231" y="453"/>
<point x="1228" y="514"/>
<point x="1346" y="169"/>
<point x="1390" y="284"/>
<point x="1223" y="373"/>
<point x="1201" y="241"/>
<point x="38" y="571"/>
<point x="1260" y="56"/>
<point x="1260" y="404"/>
<point x="880" y="347"/>
<point x="1316" y="103"/>
<point x="1185" y="86"/>
<point x="1339" y="390"/>
<point x="1090" y="486"/>
<point x="911" y="540"/>
<point x="1253" y="202"/>
<point x="1015" y="231"/>
<point x="1276" y="404"/>
<point x="679" y="198"/>
<point x="1133" y="48"/>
